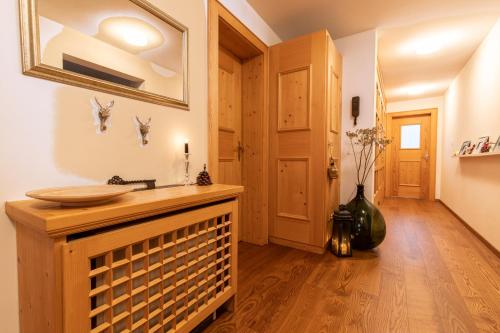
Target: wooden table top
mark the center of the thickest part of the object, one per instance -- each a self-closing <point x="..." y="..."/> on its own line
<point x="57" y="221"/>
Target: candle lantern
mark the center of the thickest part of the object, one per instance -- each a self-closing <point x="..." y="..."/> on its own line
<point x="341" y="233"/>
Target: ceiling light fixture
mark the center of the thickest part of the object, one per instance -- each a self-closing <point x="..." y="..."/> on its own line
<point x="419" y="89"/>
<point x="429" y="44"/>
<point x="130" y="33"/>
<point x="428" y="48"/>
<point x="134" y="36"/>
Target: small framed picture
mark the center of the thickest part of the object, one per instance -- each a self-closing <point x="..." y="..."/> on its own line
<point x="465" y="145"/>
<point x="480" y="144"/>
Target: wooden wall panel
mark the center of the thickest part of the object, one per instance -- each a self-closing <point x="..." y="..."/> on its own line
<point x="226" y="145"/>
<point x="227" y="173"/>
<point x="293" y="188"/>
<point x="40" y="281"/>
<point x="294" y="94"/>
<point x="226" y="101"/>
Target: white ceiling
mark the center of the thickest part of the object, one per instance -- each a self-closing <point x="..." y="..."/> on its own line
<point x="428" y="74"/>
<point x="400" y="23"/>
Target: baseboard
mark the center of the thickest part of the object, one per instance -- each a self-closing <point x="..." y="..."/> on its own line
<point x="297" y="245"/>
<point x="471" y="229"/>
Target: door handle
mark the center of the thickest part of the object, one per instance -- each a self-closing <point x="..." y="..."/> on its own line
<point x="240" y="149"/>
<point x="426" y="156"/>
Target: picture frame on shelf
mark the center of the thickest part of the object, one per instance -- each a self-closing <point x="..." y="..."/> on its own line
<point x="464" y="147"/>
<point x="480" y="144"/>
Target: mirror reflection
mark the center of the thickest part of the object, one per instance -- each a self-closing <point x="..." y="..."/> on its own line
<point x="116" y="41"/>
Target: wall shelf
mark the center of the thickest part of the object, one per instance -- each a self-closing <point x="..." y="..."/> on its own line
<point x="497" y="153"/>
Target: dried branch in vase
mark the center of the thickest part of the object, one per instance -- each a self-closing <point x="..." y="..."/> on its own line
<point x="364" y="141"/>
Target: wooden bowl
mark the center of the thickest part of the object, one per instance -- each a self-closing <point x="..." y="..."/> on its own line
<point x="78" y="196"/>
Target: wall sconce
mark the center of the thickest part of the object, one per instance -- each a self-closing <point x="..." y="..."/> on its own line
<point x="355" y="109"/>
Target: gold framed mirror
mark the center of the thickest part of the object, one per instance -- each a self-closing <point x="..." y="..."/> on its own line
<point x="123" y="47"/>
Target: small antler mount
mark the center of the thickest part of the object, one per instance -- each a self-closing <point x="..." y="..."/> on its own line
<point x="144" y="129"/>
<point x="104" y="112"/>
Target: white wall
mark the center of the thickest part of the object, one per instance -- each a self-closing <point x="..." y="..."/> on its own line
<point x="471" y="186"/>
<point x="48" y="136"/>
<point x="249" y="17"/>
<point x="421" y="104"/>
<point x="359" y="53"/>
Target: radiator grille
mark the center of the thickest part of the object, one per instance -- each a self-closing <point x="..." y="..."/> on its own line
<point x="159" y="283"/>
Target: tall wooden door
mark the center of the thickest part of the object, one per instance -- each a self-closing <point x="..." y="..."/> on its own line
<point x="410" y="158"/>
<point x="230" y="141"/>
<point x="230" y="122"/>
<point x="297" y="176"/>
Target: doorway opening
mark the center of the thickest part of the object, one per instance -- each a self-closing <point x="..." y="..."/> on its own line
<point x="238" y="117"/>
<point x="411" y="158"/>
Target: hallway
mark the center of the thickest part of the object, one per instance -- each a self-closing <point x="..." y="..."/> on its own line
<point x="430" y="275"/>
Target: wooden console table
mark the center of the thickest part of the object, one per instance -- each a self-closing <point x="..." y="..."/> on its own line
<point x="153" y="261"/>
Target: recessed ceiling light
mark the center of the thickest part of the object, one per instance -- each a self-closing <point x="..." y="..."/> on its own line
<point x="418" y="89"/>
<point x="429" y="44"/>
<point x="429" y="48"/>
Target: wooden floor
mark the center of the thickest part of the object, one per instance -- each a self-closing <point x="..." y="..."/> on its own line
<point x="430" y="275"/>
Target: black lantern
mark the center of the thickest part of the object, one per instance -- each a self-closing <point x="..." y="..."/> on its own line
<point x="341" y="233"/>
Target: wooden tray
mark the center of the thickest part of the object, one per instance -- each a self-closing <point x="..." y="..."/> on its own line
<point x="80" y="195"/>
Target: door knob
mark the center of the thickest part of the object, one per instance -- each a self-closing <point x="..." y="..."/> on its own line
<point x="426" y="156"/>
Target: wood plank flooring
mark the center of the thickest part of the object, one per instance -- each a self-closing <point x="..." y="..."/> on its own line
<point x="430" y="275"/>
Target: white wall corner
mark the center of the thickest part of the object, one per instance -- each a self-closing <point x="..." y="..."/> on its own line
<point x="250" y="18"/>
<point x="359" y="53"/>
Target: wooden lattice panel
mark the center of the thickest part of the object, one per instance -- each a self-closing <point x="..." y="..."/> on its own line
<point x="151" y="277"/>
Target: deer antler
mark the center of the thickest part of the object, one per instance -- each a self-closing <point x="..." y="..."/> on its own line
<point x="144" y="129"/>
<point x="97" y="102"/>
<point x="104" y="113"/>
<point x="138" y="120"/>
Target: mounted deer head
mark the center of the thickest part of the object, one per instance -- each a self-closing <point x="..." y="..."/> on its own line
<point x="104" y="113"/>
<point x="144" y="129"/>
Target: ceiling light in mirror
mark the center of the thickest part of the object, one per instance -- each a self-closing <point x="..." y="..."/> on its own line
<point x="133" y="36"/>
<point x="130" y="34"/>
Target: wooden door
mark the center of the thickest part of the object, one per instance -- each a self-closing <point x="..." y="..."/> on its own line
<point x="333" y="153"/>
<point x="230" y="141"/>
<point x="410" y="158"/>
<point x="298" y="124"/>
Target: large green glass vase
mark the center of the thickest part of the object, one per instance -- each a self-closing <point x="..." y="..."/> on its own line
<point x="368" y="230"/>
